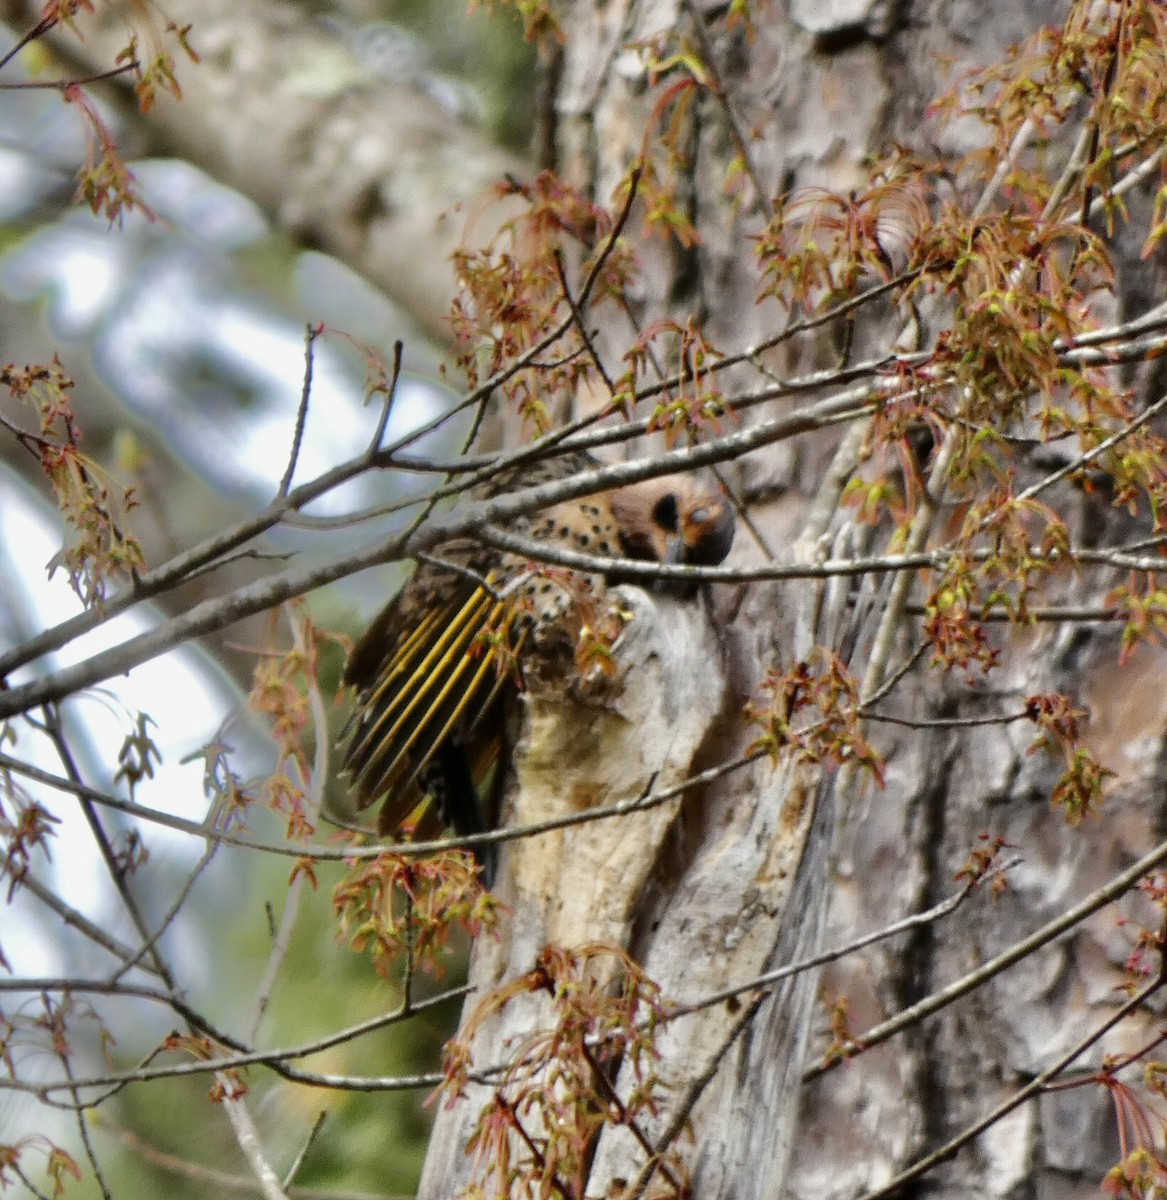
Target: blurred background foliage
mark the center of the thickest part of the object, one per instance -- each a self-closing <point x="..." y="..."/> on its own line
<point x="185" y="337"/>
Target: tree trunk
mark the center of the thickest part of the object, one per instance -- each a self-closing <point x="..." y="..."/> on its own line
<point x="767" y="866"/>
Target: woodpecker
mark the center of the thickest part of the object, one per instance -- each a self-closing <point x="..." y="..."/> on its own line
<point x="438" y="669"/>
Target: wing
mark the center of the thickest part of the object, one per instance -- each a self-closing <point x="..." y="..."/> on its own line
<point x="432" y="674"/>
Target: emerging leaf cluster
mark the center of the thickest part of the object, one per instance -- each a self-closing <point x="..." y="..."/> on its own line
<point x="810" y="711"/>
<point x="403" y="911"/>
<point x="515" y="300"/>
<point x="98" y="549"/>
<point x="557" y="1093"/>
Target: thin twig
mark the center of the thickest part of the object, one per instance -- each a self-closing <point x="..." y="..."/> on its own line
<point x="721" y="95"/>
<point x="147" y="947"/>
<point x="276" y="1059"/>
<point x="868" y="714"/>
<point x="580" y="327"/>
<point x="311" y="333"/>
<point x="101" y="987"/>
<point x="69" y="915"/>
<point x="915" y="921"/>
<point x="466" y="572"/>
<point x="37" y="31"/>
<point x="625" y="1119"/>
<point x="52" y="1016"/>
<point x="298" y="1161"/>
<point x="404" y="849"/>
<point x="692" y="1094"/>
<point x="117" y="872"/>
<point x="62" y="85"/>
<point x="390" y="397"/>
<point x="313" y="790"/>
<point x="28" y="1183"/>
<point x="1083" y="460"/>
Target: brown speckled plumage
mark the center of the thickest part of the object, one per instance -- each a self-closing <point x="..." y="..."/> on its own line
<point x="435" y="670"/>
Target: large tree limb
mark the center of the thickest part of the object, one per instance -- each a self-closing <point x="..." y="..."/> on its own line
<point x="375" y="174"/>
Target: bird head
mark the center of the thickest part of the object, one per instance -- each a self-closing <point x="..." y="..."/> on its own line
<point x="674" y="520"/>
<point x="699" y="527"/>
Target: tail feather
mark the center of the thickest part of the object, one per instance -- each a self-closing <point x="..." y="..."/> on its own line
<point x="461" y="703"/>
<point x="394" y="704"/>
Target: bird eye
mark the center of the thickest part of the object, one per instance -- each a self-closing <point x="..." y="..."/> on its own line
<point x="664" y="512"/>
<point x="700" y="516"/>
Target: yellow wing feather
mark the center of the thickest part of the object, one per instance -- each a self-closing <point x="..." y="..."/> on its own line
<point x="440" y="680"/>
<point x="407" y="686"/>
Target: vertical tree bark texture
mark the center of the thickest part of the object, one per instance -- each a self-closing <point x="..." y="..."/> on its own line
<point x="744" y="874"/>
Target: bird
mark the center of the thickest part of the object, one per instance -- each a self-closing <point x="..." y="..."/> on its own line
<point x="436" y="672"/>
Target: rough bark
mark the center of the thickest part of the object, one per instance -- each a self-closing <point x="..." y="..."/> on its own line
<point x="824" y="85"/>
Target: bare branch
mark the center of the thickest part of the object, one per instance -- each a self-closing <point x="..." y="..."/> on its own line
<point x="915" y="921"/>
<point x="277" y="1059"/>
<point x="69" y="915"/>
<point x="310" y="335"/>
<point x="356" y="853"/>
